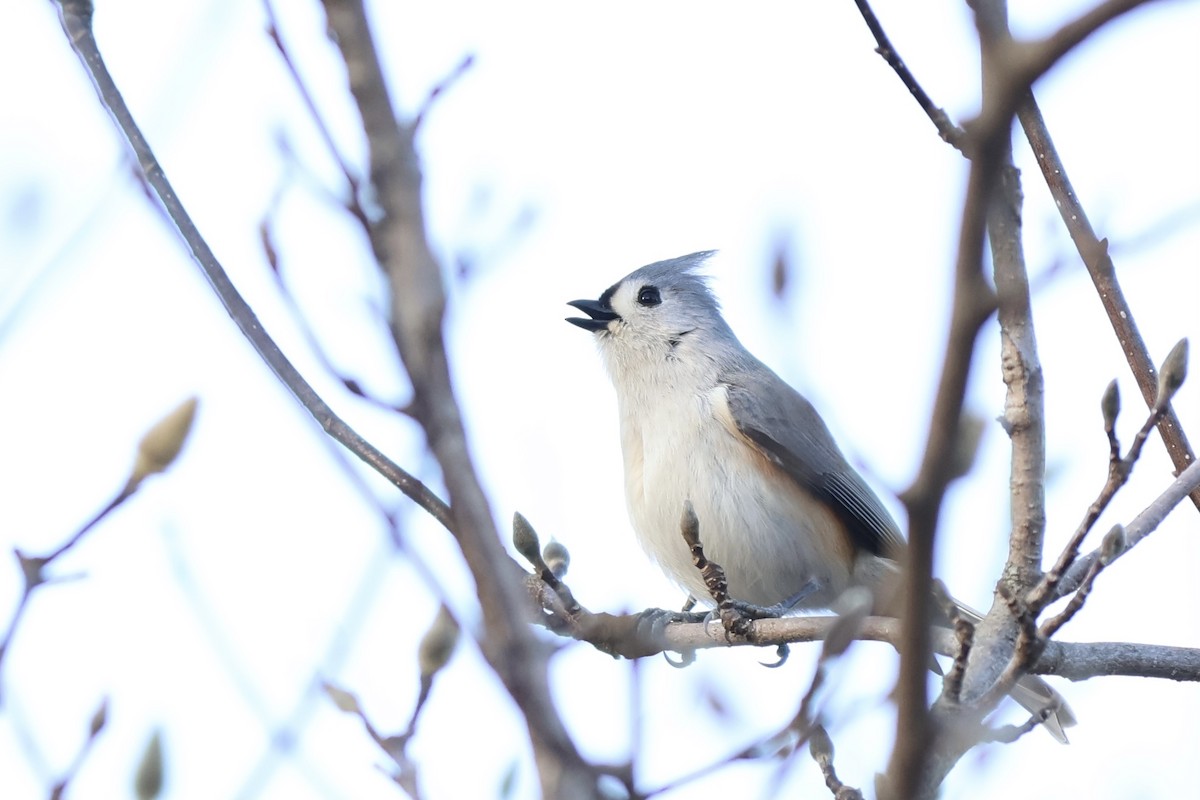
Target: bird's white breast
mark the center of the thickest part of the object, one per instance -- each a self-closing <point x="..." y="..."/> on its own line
<point x="771" y="537"/>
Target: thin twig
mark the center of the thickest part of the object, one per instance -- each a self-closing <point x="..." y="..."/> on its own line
<point x="1033" y="60"/>
<point x="820" y="746"/>
<point x="951" y="133"/>
<point x="98" y="721"/>
<point x="1141" y="527"/>
<point x="351" y="202"/>
<point x="33" y="567"/>
<point x="1094" y="253"/>
<point x="1118" y="474"/>
<point x="76" y="17"/>
<point x="1052" y="625"/>
<point x="302" y="323"/>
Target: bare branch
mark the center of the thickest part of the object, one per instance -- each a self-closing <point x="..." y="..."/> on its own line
<point x="1141" y="526"/>
<point x="951" y="133"/>
<point x="98" y="721"/>
<point x="1078" y="661"/>
<point x="76" y="17"/>
<point x="156" y="451"/>
<point x="1094" y="253"/>
<point x="1024" y="404"/>
<point x="397" y="237"/>
<point x="489" y="563"/>
<point x="1114" y="542"/>
<point x="1119" y="470"/>
<point x="1008" y="70"/>
<point x="351" y="200"/>
<point x="820" y="746"/>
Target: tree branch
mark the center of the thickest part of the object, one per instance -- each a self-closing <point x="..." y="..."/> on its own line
<point x="1094" y="253"/>
<point x="76" y="18"/>
<point x="1141" y="527"/>
<point x="1009" y="70"/>
<point x="1079" y="661"/>
<point x="1075" y="661"/>
<point x="514" y="658"/>
<point x="398" y="240"/>
<point x="951" y="133"/>
<point x="1024" y="403"/>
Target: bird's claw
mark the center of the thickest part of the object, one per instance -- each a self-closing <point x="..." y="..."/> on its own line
<point x="652" y="625"/>
<point x="781" y="657"/>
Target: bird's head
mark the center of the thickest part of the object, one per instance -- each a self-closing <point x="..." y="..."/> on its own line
<point x="653" y="315"/>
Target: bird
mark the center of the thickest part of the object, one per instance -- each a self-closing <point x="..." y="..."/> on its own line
<point x="704" y="422"/>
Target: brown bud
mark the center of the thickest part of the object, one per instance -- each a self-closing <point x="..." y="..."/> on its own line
<point x="148" y="781"/>
<point x="98" y="719"/>
<point x="966" y="448"/>
<point x="1173" y="373"/>
<point x="162" y="443"/>
<point x="525" y="538"/>
<point x="820" y="745"/>
<point x="344" y="700"/>
<point x="1112" y="545"/>
<point x="1110" y="404"/>
<point x="438" y="643"/>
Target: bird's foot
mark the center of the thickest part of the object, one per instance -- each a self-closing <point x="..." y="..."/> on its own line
<point x="652" y="625"/>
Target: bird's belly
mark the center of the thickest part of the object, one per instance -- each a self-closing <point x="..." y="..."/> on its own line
<point x="772" y="538"/>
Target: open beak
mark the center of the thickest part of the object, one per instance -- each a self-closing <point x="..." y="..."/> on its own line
<point x="600" y="316"/>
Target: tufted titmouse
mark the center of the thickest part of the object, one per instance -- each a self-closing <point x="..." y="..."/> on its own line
<point x="702" y="420"/>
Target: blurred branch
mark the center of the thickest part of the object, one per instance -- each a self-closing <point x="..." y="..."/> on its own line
<point x="1094" y="253"/>
<point x="510" y="647"/>
<point x="804" y="725"/>
<point x="397" y="236"/>
<point x="820" y="747"/>
<point x="351" y="201"/>
<point x="972" y="303"/>
<point x="1159" y="230"/>
<point x="980" y="677"/>
<point x="156" y="451"/>
<point x="435" y="650"/>
<point x="266" y="238"/>
<point x="98" y="721"/>
<point x="282" y="735"/>
<point x="76" y="18"/>
<point x="395" y="746"/>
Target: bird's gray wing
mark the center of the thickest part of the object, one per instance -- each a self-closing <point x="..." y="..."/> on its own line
<point x="786" y="429"/>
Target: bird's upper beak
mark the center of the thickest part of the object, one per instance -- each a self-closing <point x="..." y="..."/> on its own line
<point x="600" y="316"/>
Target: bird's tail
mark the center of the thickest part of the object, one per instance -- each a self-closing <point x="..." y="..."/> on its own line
<point x="1035" y="695"/>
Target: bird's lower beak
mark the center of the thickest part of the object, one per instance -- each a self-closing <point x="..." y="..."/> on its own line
<point x="600" y="316"/>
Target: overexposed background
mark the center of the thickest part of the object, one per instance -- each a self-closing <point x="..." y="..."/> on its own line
<point x="579" y="145"/>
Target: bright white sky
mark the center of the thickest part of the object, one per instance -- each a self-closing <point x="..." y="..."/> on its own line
<point x="577" y="148"/>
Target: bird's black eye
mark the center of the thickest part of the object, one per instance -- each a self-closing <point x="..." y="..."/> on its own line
<point x="649" y="296"/>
